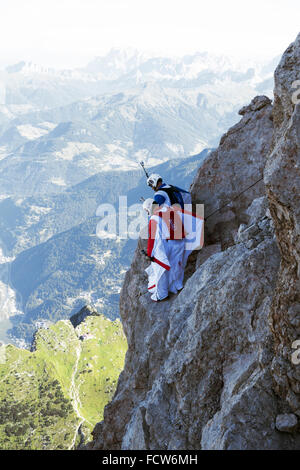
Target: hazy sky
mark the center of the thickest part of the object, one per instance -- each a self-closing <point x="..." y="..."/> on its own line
<point x="69" y="33"/>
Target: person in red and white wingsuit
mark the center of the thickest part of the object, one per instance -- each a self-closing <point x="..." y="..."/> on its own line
<point x="173" y="234"/>
<point x="166" y="251"/>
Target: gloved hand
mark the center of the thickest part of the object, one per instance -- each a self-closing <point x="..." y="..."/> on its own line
<point x="151" y="258"/>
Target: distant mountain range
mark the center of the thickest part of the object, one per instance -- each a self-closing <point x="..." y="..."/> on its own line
<point x="52" y="150"/>
<point x="25" y="85"/>
<point x="143" y="105"/>
<point x="57" y="128"/>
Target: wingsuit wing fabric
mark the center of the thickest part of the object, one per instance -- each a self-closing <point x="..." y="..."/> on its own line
<point x="193" y="227"/>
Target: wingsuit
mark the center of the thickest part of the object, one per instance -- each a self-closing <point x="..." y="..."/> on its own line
<point x="173" y="234"/>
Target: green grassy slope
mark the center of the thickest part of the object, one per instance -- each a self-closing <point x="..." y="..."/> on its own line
<point x="46" y="395"/>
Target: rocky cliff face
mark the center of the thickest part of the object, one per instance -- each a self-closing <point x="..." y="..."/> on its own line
<point x="210" y="368"/>
<point x="282" y="178"/>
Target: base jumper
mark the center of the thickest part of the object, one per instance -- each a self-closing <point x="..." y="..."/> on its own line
<point x="173" y="233"/>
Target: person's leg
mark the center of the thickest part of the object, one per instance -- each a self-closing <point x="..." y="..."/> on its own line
<point x="177" y="268"/>
<point x="162" y="288"/>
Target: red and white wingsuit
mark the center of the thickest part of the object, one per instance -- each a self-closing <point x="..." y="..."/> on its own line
<point x="169" y="244"/>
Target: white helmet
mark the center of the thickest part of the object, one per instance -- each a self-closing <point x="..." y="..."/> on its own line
<point x="153" y="180"/>
<point x="147" y="205"/>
